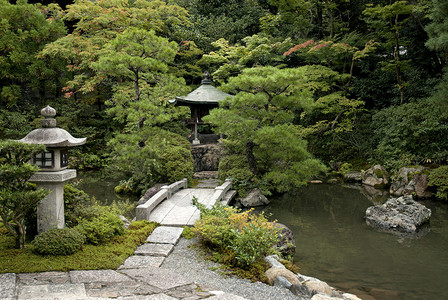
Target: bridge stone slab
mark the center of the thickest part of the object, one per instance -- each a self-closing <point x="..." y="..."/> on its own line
<point x="53" y="291"/>
<point x="154" y="250"/>
<point x="165" y="235"/>
<point x="135" y="261"/>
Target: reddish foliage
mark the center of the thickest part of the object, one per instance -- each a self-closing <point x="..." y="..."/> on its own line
<point x="297" y="47"/>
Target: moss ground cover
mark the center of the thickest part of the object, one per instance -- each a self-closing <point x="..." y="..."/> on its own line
<point x="109" y="255"/>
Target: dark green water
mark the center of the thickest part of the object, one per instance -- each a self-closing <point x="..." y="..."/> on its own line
<point x="95" y="185"/>
<point x="335" y="245"/>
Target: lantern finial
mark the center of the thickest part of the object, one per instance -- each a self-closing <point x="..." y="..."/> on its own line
<point x="48" y="112"/>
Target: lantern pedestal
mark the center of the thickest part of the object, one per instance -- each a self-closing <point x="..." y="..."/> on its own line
<point x="50" y="210"/>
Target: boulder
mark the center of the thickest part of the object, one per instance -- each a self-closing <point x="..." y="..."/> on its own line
<point x="149" y="193"/>
<point x="398" y="215"/>
<point x="411" y="181"/>
<point x="301" y="291"/>
<point x="353" y="176"/>
<point x="376" y="176"/>
<point x="347" y="296"/>
<point x="318" y="287"/>
<point x="322" y="297"/>
<point x="287" y="243"/>
<point x="315" y="285"/>
<point x="282" y="282"/>
<point x="273" y="262"/>
<point x="272" y="273"/>
<point x="254" y="198"/>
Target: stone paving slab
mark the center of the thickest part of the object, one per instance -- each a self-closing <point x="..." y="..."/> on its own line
<point x="120" y="289"/>
<point x="135" y="261"/>
<point x="7" y="285"/>
<point x="43" y="278"/>
<point x="160" y="297"/>
<point x="53" y="291"/>
<point x="165" y="235"/>
<point x="178" y="210"/>
<point x="154" y="250"/>
<point x="103" y="276"/>
<point x="160" y="278"/>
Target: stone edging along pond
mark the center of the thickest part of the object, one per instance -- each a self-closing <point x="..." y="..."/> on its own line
<point x="300" y="285"/>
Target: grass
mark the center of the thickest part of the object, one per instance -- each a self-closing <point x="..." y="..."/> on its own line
<point x="106" y="256"/>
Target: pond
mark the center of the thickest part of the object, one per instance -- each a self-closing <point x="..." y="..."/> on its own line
<point x="95" y="184"/>
<point x="335" y="245"/>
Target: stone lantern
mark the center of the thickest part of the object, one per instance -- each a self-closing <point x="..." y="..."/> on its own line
<point x="53" y="168"/>
<point x="200" y="101"/>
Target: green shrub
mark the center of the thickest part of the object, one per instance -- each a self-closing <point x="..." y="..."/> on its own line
<point x="75" y="200"/>
<point x="236" y="167"/>
<point x="439" y="179"/>
<point x="187" y="232"/>
<point x="65" y="241"/>
<point x="248" y="236"/>
<point x="411" y="134"/>
<point x="109" y="255"/>
<point x="155" y="155"/>
<point x="99" y="224"/>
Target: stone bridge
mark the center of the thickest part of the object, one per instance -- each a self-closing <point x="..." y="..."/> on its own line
<point x="172" y="205"/>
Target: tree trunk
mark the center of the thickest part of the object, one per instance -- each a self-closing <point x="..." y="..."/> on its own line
<point x="250" y="156"/>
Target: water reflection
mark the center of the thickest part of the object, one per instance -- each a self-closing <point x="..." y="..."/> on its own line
<point x="95" y="184"/>
<point x="334" y="244"/>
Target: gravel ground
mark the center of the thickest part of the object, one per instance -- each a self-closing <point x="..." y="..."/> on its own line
<point x="189" y="263"/>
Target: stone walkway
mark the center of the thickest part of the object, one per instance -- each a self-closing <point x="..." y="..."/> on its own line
<point x="138" y="278"/>
<point x="178" y="210"/>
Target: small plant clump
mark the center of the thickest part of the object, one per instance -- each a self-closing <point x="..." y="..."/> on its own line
<point x="100" y="224"/>
<point x="58" y="241"/>
<point x="240" y="240"/>
<point x="439" y="179"/>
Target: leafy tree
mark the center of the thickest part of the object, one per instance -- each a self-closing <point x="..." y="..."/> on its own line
<point x="138" y="61"/>
<point x="17" y="197"/>
<point x="151" y="156"/>
<point x="257" y="50"/>
<point x="97" y="24"/>
<point x="212" y="20"/>
<point x="258" y="122"/>
<point x="413" y="133"/>
<point x="438" y="28"/>
<point x="24" y="30"/>
<point x="389" y="20"/>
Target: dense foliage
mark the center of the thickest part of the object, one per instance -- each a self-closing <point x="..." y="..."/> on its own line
<point x="348" y="81"/>
<point x="58" y="241"/>
<point x="109" y="255"/>
<point x="237" y="239"/>
<point x="18" y="197"/>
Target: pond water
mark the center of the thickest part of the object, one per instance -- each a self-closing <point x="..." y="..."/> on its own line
<point x="335" y="245"/>
<point x="95" y="184"/>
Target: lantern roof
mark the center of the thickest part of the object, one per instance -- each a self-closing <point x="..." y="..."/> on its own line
<point x="206" y="93"/>
<point x="50" y="135"/>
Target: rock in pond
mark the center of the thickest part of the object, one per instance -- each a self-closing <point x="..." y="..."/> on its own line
<point x="398" y="215"/>
<point x="376" y="176"/>
<point x="287" y="244"/>
<point x="254" y="198"/>
<point x="411" y="180"/>
<point x="353" y="176"/>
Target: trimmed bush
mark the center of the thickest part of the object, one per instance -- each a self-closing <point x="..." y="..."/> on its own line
<point x="245" y="236"/>
<point x="439" y="178"/>
<point x="65" y="241"/>
<point x="100" y="224"/>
